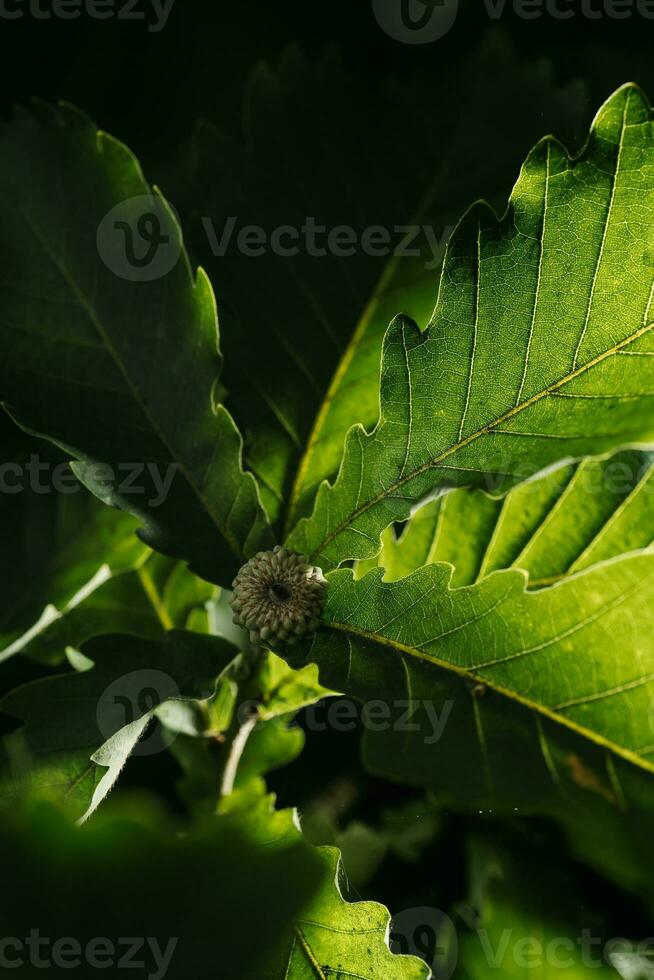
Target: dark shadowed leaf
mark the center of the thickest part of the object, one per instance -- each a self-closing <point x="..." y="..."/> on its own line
<point x="79" y="729"/>
<point x="114" y="356"/>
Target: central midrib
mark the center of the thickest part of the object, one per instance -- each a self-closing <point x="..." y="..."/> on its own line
<point x="540" y="710"/>
<point x="102" y="333"/>
<point x="485" y="430"/>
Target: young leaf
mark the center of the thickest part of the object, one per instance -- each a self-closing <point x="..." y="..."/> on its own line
<point x="553" y="526"/>
<point x="330" y="936"/>
<point x="77" y="725"/>
<point x="263" y="716"/>
<point x="96" y="340"/>
<point x="540" y="347"/>
<point x="342" y="938"/>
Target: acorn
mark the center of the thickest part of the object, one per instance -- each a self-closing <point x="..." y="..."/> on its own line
<point x="278" y="597"/>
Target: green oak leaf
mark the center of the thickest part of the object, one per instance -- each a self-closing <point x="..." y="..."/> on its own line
<point x="330" y="936"/>
<point x="553" y="526"/>
<point x="275" y="740"/>
<point x="78" y="729"/>
<point x="498" y="697"/>
<point x="102" y="578"/>
<point x="226" y="891"/>
<point x="262" y="716"/>
<point x="540" y="347"/>
<point x="314" y="312"/>
<point x="494" y="73"/>
<point x="113" y="359"/>
<point x="210" y="898"/>
<point x="284" y="690"/>
<point x="342" y="938"/>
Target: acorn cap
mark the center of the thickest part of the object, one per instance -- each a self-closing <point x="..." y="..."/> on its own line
<point x="278" y="596"/>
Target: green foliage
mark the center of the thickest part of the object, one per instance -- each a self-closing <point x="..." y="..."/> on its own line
<point x="559" y="524"/>
<point x="487" y="534"/>
<point x="131" y="874"/>
<point x="121" y="347"/>
<point x="559" y="281"/>
<point x="495" y="695"/>
<point x="327" y="935"/>
<point x="316" y="321"/>
<point x="513" y="926"/>
<point x="75" y="725"/>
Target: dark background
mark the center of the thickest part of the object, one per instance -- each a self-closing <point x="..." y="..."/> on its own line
<point x="147" y="88"/>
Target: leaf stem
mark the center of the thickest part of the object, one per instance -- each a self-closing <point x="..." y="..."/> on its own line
<point x="244" y="719"/>
<point x="234" y="751"/>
